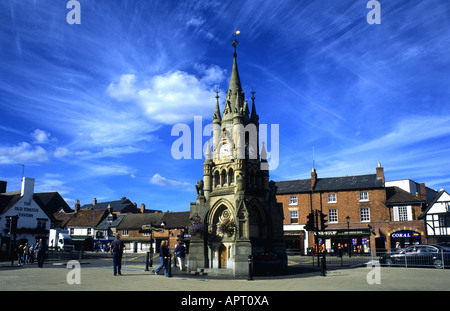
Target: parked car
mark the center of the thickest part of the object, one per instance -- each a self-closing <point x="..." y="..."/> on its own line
<point x="445" y="244"/>
<point x="419" y="255"/>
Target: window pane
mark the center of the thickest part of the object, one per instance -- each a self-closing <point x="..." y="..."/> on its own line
<point x="365" y="214"/>
<point x="332" y="215"/>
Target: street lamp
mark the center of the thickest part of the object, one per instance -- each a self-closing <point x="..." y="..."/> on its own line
<point x="348" y="232"/>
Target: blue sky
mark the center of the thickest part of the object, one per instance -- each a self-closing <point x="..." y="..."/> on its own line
<point x="89" y="108"/>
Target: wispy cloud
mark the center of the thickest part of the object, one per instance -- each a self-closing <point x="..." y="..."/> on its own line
<point x="159" y="180"/>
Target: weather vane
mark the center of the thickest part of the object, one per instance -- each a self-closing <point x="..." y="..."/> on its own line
<point x="235" y="41"/>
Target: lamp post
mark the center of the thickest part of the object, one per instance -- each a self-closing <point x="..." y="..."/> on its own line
<point x="349" y="239"/>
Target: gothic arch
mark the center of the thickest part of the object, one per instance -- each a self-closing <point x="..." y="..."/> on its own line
<point x="257" y="220"/>
<point x="223" y="178"/>
<point x="216" y="178"/>
<point x="230" y="176"/>
<point x="217" y="209"/>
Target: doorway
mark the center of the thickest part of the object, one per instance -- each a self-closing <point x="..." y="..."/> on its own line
<point x="223" y="257"/>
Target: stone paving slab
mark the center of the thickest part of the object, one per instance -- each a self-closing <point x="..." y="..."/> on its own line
<point x="55" y="277"/>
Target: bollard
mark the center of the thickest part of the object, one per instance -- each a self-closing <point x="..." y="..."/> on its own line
<point x="169" y="265"/>
<point x="323" y="267"/>
<point x="146" y="261"/>
<point x="250" y="268"/>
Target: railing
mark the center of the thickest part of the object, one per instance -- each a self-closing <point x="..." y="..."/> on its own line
<point x="439" y="260"/>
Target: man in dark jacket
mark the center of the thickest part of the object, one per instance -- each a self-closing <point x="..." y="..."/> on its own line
<point x="41" y="248"/>
<point x="117" y="248"/>
<point x="163" y="258"/>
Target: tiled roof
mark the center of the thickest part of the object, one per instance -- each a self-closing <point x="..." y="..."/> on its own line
<point x="86" y="218"/>
<point x="172" y="220"/>
<point x="136" y="221"/>
<point x="330" y="184"/>
<point x="123" y="205"/>
<point x="7" y="201"/>
<point x="176" y="220"/>
<point x="395" y="196"/>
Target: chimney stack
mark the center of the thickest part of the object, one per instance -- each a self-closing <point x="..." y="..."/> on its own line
<point x="27" y="190"/>
<point x="142" y="208"/>
<point x="313" y="178"/>
<point x="423" y="192"/>
<point x="3" y="186"/>
<point x="380" y="173"/>
<point x="77" y="206"/>
<point x="94" y="202"/>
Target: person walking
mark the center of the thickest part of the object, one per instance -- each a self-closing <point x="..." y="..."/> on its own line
<point x="163" y="259"/>
<point x="40" y="253"/>
<point x="180" y="251"/>
<point x="117" y="247"/>
<point x="25" y="253"/>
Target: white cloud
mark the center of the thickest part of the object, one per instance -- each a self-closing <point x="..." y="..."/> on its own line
<point x="111" y="170"/>
<point x="42" y="137"/>
<point x="159" y="180"/>
<point x="170" y="98"/>
<point x="23" y="152"/>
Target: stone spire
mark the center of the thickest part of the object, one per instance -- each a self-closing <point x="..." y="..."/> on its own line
<point x="216" y="117"/>
<point x="254" y="116"/>
<point x="235" y="81"/>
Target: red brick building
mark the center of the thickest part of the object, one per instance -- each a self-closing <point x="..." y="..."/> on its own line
<point x="362" y="214"/>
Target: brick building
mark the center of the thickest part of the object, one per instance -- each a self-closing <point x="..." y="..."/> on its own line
<point x="362" y="213"/>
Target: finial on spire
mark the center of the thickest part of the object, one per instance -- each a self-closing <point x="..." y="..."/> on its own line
<point x="234" y="43"/>
<point x="217" y="93"/>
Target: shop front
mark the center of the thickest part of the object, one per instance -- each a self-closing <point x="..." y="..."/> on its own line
<point x="405" y="238"/>
<point x="345" y="241"/>
<point x="295" y="242"/>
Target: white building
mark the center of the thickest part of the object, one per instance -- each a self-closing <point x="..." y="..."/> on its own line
<point x="419" y="190"/>
<point x="32" y="222"/>
<point x="437" y="218"/>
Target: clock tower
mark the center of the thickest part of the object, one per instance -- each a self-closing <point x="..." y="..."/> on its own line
<point x="236" y="215"/>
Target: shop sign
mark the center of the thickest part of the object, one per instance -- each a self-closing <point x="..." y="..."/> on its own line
<point x="405" y="234"/>
<point x="326" y="233"/>
<point x="24" y="211"/>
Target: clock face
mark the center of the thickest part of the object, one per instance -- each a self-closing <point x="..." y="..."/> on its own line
<point x="224" y="150"/>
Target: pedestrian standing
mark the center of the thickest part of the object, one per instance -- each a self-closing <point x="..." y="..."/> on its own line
<point x="25" y="253"/>
<point x="117" y="247"/>
<point x="163" y="259"/>
<point x="40" y="253"/>
<point x="180" y="251"/>
<point x="32" y="253"/>
<point x="19" y="252"/>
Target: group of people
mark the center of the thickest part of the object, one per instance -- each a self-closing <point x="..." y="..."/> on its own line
<point x="117" y="248"/>
<point x="28" y="254"/>
<point x="164" y="252"/>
